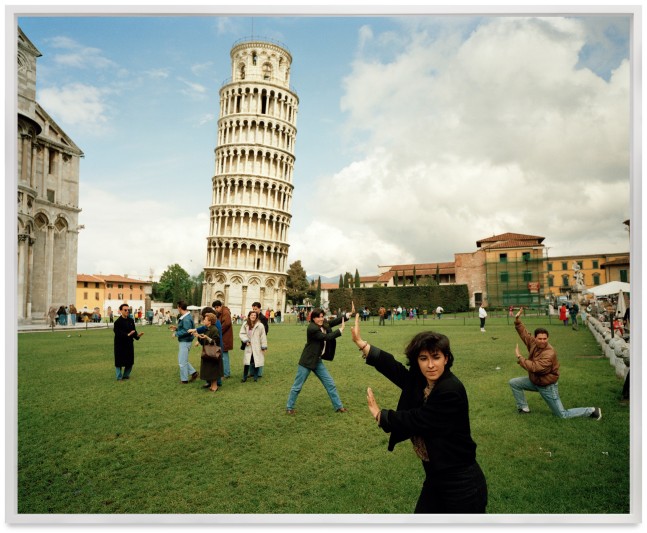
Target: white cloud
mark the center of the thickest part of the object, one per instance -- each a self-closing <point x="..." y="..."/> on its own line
<point x="79" y="56"/>
<point x="158" y="73"/>
<point x="193" y="90"/>
<point x="199" y="69"/>
<point x="502" y="133"/>
<point x="77" y="104"/>
<point x="131" y="236"/>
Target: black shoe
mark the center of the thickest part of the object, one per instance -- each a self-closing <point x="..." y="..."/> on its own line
<point x="243" y="380"/>
<point x="194" y="376"/>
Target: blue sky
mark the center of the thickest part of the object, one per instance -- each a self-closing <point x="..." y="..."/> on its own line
<point x="416" y="135"/>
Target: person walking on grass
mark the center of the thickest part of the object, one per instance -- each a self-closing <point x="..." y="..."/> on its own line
<point x="543" y="373"/>
<point x="253" y="336"/>
<point x="320" y="344"/>
<point x="125" y="335"/>
<point x="432" y="412"/>
<point x="185" y="338"/>
<point x="482" y="316"/>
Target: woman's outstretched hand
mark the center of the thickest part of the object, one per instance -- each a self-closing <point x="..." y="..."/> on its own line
<point x="372" y="404"/>
<point x="357" y="338"/>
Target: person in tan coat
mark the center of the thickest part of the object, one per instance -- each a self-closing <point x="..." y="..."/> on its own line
<point x="543" y="373"/>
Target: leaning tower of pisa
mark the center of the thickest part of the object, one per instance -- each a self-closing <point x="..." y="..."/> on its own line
<point x="247" y="247"/>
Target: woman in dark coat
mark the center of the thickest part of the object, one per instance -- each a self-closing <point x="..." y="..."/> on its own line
<point x="211" y="370"/>
<point x="432" y="412"/>
<point x="125" y="334"/>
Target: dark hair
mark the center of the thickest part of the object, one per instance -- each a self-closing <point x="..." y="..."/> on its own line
<point x="216" y="303"/>
<point x="249" y="320"/>
<point x="256" y="304"/>
<point x="541" y="330"/>
<point x="181" y="304"/>
<point x="122" y="306"/>
<point x="316" y="313"/>
<point x="431" y="341"/>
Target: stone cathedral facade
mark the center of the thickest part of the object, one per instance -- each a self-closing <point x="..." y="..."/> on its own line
<point x="48" y="199"/>
<point x="247" y="247"/>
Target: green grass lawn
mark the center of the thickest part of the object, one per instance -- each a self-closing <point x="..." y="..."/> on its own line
<point x="90" y="444"/>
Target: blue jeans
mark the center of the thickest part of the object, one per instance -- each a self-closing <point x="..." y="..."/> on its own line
<point x="125" y="374"/>
<point x="549" y="393"/>
<point x="326" y="380"/>
<point x="73" y="318"/>
<point x="183" y="360"/>
<point x="225" y="364"/>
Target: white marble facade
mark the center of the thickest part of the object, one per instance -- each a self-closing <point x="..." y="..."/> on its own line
<point x="247" y="247"/>
<point x="48" y="198"/>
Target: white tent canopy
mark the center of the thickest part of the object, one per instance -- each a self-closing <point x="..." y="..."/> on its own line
<point x="613" y="287"/>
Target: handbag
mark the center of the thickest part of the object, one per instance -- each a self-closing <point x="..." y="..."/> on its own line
<point x="211" y="351"/>
<point x="243" y="345"/>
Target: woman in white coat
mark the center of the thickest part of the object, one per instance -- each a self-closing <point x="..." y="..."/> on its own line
<point x="252" y="333"/>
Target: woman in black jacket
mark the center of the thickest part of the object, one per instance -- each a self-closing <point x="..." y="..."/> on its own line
<point x="432" y="412"/>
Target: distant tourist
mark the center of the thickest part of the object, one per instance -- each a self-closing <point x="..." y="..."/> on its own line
<point x="563" y="314"/>
<point x="224" y="315"/>
<point x="125" y="333"/>
<point x="482" y="316"/>
<point x="181" y="331"/>
<point x="253" y="336"/>
<point x="256" y="306"/>
<point x="211" y="370"/>
<point x="543" y="372"/>
<point x="439" y="312"/>
<point x="320" y="345"/>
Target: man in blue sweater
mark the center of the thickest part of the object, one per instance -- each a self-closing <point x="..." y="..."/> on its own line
<point x="181" y="331"/>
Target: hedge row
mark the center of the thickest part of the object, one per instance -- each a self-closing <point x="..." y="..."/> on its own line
<point x="452" y="298"/>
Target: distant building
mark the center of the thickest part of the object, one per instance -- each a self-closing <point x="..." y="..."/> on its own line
<point x="48" y="198"/>
<point x="596" y="269"/>
<point x="425" y="274"/>
<point x="110" y="291"/>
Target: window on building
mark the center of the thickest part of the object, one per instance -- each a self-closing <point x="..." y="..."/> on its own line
<point x="551" y="281"/>
<point x="624" y="276"/>
<point x="120" y="296"/>
<point x="527" y="275"/>
<point x="596" y="279"/>
<point x="254" y="58"/>
<point x="85" y="295"/>
<point x="564" y="265"/>
<point x="120" y="286"/>
<point x="96" y="295"/>
<point x="96" y="285"/>
<point x="503" y="258"/>
<point x="85" y="284"/>
<point x="504" y="277"/>
<point x="109" y="296"/>
<point x="267" y="71"/>
<point x="550" y="267"/>
<point x="525" y="256"/>
<point x="596" y="263"/>
<point x="565" y="280"/>
<point x="580" y="264"/>
<point x="241" y="72"/>
<point x="131" y="296"/>
<point x="51" y="195"/>
<point x="51" y="169"/>
<point x="109" y="285"/>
